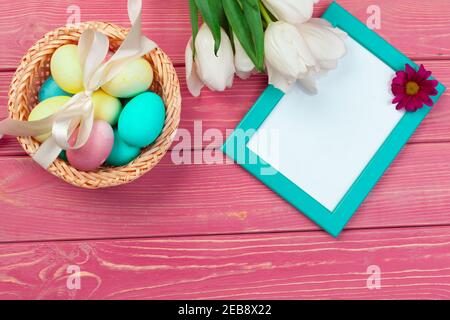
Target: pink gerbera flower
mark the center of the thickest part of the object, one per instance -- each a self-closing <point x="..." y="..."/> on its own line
<point x="413" y="89"/>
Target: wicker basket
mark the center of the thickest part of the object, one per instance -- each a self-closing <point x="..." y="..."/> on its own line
<point x="34" y="69"/>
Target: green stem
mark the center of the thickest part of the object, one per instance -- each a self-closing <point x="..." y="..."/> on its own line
<point x="265" y="14"/>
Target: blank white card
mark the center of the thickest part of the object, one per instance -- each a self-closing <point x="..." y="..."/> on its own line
<point x="324" y="141"/>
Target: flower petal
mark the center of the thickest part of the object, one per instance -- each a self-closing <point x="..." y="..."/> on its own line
<point x="401" y="78"/>
<point x="425" y="98"/>
<point x="325" y="23"/>
<point x="403" y="103"/>
<point x="309" y="83"/>
<point x="410" y="72"/>
<point x="287" y="51"/>
<point x="398" y="89"/>
<point x="422" y="74"/>
<point x="244" y="65"/>
<point x="194" y="83"/>
<point x="414" y="104"/>
<point x="292" y="11"/>
<point x="399" y="98"/>
<point x="214" y="70"/>
<point x="324" y="43"/>
<point x="328" y="64"/>
<point x="278" y="79"/>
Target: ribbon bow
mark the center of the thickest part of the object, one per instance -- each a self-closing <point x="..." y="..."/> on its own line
<point x="78" y="112"/>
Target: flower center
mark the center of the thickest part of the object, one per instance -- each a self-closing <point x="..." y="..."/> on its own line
<point x="412" y="88"/>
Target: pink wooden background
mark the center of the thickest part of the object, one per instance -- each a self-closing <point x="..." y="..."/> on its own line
<point x="213" y="231"/>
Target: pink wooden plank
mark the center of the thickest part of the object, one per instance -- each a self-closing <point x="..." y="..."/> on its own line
<point x="225" y="110"/>
<point x="207" y="199"/>
<point x="414" y="264"/>
<point x="419" y="29"/>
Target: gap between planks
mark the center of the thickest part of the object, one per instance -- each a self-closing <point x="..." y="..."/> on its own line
<point x="226" y="234"/>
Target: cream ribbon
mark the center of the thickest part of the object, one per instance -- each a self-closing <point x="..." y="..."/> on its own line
<point x="78" y="112"/>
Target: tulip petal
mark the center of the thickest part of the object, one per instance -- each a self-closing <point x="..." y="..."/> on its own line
<point x="279" y="80"/>
<point x="216" y="71"/>
<point x="194" y="83"/>
<point x="287" y="51"/>
<point x="293" y="11"/>
<point x="309" y="84"/>
<point x="244" y="65"/>
<point x="324" y="43"/>
<point x="325" y="23"/>
<point x="328" y="64"/>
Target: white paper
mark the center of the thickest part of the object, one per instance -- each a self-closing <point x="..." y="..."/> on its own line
<point x="323" y="142"/>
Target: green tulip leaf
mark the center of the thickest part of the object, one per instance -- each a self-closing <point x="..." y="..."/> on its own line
<point x="211" y="11"/>
<point x="193" y="13"/>
<point x="240" y="27"/>
<point x="253" y="16"/>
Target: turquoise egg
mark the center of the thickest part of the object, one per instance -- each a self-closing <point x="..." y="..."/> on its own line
<point x="121" y="153"/>
<point x="142" y="120"/>
<point x="51" y="89"/>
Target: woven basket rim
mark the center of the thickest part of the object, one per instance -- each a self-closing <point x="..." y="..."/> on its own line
<point x="33" y="70"/>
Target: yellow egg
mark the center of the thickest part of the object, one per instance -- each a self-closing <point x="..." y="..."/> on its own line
<point x="133" y="79"/>
<point x="66" y="69"/>
<point x="106" y="107"/>
<point x="45" y="109"/>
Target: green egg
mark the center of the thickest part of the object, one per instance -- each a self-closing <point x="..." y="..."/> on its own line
<point x="121" y="153"/>
<point x="142" y="120"/>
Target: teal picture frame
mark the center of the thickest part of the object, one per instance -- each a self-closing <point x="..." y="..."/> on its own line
<point x="331" y="221"/>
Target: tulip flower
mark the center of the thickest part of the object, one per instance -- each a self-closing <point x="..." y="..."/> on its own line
<point x="327" y="46"/>
<point x="244" y="65"/>
<point x="288" y="57"/>
<point x="207" y="68"/>
<point x="293" y="11"/>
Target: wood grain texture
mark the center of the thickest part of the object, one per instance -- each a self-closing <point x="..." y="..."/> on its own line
<point x="414" y="264"/>
<point x="207" y="199"/>
<point x="222" y="111"/>
<point x="419" y="29"/>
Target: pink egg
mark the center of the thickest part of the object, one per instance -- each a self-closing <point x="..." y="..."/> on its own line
<point x="98" y="147"/>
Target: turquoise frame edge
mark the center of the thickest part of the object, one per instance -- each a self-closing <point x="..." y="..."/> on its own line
<point x="333" y="221"/>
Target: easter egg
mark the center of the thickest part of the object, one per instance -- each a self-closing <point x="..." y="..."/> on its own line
<point x="135" y="78"/>
<point x="121" y="153"/>
<point x="98" y="147"/>
<point x="45" y="109"/>
<point x="66" y="69"/>
<point x="142" y="120"/>
<point x="106" y="107"/>
<point x="51" y="89"/>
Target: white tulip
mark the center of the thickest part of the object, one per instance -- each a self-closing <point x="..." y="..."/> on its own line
<point x="326" y="44"/>
<point x="288" y="56"/>
<point x="244" y="65"/>
<point x="216" y="72"/>
<point x="293" y="11"/>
